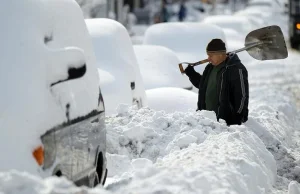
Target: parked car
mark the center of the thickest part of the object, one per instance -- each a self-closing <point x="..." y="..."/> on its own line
<point x="239" y="23"/>
<point x="115" y="55"/>
<point x="277" y="6"/>
<point x="187" y="39"/>
<point x="256" y="18"/>
<point x="159" y="67"/>
<point x="51" y="109"/>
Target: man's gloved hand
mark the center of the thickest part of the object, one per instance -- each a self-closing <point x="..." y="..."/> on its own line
<point x="189" y="70"/>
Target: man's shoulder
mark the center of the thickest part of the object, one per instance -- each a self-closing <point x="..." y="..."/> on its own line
<point x="237" y="65"/>
<point x="236" y="70"/>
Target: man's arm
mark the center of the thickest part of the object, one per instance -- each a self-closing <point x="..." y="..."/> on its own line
<point x="240" y="93"/>
<point x="193" y="76"/>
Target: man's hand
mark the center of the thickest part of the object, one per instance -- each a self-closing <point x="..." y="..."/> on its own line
<point x="189" y="70"/>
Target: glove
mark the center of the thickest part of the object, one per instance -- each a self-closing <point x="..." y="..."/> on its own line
<point x="189" y="70"/>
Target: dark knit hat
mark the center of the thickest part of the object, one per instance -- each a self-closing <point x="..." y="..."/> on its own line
<point x="216" y="45"/>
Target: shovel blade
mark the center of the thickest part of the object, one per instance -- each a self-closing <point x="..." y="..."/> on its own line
<point x="273" y="47"/>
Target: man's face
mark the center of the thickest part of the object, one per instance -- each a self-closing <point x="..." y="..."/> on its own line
<point x="216" y="58"/>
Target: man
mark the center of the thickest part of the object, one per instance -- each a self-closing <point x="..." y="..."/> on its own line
<point x="223" y="87"/>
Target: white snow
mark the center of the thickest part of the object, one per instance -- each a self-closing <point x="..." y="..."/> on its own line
<point x="159" y="67"/>
<point x="166" y="147"/>
<point x="37" y="50"/>
<point x="115" y="55"/>
<point x="191" y="38"/>
<point x="235" y="41"/>
<point x="178" y="99"/>
<point x="239" y="23"/>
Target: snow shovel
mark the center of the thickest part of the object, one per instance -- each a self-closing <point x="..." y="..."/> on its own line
<point x="262" y="44"/>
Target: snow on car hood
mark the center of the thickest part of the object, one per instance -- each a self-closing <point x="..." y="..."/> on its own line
<point x="159" y="67"/>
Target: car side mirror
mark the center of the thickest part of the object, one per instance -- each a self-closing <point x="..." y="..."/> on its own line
<point x="65" y="64"/>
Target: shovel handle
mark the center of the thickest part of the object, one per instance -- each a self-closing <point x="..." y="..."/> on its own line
<point x="191" y="64"/>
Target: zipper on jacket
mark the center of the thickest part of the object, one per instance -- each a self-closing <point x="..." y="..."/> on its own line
<point x="221" y="92"/>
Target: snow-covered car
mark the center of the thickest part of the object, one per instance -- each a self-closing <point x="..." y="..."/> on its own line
<point x="256" y="18"/>
<point x="239" y="23"/>
<point x="267" y="5"/>
<point x="159" y="67"/>
<point x="115" y="56"/>
<point x="51" y="107"/>
<point x="187" y="39"/>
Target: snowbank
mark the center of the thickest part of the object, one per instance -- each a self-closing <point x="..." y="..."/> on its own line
<point x="37" y="51"/>
<point x="24" y="183"/>
<point x="181" y="143"/>
<point x="223" y="163"/>
<point x="178" y="99"/>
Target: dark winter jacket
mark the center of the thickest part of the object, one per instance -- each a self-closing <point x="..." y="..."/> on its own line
<point x="232" y="89"/>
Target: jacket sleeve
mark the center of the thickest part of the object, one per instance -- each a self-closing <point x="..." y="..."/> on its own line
<point x="193" y="76"/>
<point x="240" y="93"/>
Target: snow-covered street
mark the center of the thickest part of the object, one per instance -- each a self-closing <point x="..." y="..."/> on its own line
<point x="166" y="147"/>
<point x="192" y="142"/>
<point x="187" y="152"/>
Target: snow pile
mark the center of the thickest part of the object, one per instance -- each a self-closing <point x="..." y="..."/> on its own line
<point x="178" y="99"/>
<point x="275" y="126"/>
<point x="159" y="67"/>
<point x="24" y="183"/>
<point x="115" y="56"/>
<point x="235" y="158"/>
<point x="258" y="149"/>
<point x="36" y="54"/>
<point x="294" y="187"/>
